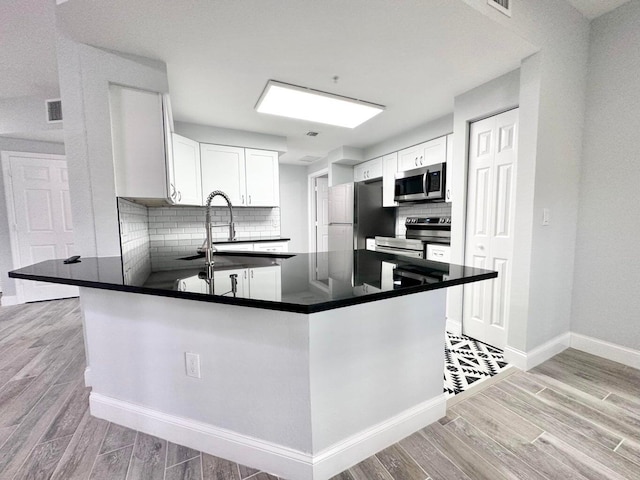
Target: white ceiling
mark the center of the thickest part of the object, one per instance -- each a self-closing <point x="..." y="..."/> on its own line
<point x="594" y="8"/>
<point x="411" y="56"/>
<point x="28" y="64"/>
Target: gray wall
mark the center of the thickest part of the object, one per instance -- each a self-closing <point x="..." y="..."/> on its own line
<point x="294" y="208"/>
<point x="7" y="285"/>
<point x="606" y="298"/>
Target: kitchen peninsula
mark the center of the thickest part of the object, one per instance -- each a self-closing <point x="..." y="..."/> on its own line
<point x="303" y="380"/>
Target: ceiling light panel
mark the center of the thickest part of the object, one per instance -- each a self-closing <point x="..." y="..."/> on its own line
<point x="312" y="105"/>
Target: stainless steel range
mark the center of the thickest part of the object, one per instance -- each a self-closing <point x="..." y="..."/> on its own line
<point x="421" y="233"/>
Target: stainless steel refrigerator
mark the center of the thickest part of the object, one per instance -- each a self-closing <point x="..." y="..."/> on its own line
<point x="355" y="213"/>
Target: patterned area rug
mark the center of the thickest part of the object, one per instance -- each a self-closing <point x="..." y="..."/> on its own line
<point x="468" y="361"/>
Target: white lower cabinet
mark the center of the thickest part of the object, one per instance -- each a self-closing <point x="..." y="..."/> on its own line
<point x="234" y="247"/>
<point x="276" y="246"/>
<point x="271" y="247"/>
<point x="223" y="282"/>
<point x="265" y="283"/>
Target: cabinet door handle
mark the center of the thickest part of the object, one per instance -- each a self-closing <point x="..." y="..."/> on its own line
<point x="251" y="273"/>
<point x="420" y="159"/>
<point x="245" y="274"/>
<point x="172" y="194"/>
<point x="179" y="196"/>
<point x="249" y="199"/>
<point x="242" y="203"/>
<point x="416" y="161"/>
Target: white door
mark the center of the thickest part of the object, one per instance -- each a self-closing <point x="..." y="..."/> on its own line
<point x="223" y="169"/>
<point x="40" y="209"/>
<point x="322" y="214"/>
<point x="261" y="167"/>
<point x="187" y="178"/>
<point x="493" y="153"/>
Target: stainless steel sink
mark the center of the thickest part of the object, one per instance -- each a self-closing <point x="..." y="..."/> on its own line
<point x="227" y="260"/>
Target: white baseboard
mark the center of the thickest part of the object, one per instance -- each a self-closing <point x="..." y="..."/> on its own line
<point x="356" y="448"/>
<point x="270" y="457"/>
<point x="7" y="301"/>
<point x="610" y="351"/>
<point x="454" y="327"/>
<point x="527" y="360"/>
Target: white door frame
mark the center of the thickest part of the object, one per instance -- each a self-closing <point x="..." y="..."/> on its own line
<point x="465" y="198"/>
<point x="312" y="227"/>
<point x="312" y="206"/>
<point x="11" y="213"/>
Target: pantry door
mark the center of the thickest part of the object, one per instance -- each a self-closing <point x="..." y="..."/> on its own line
<point x="493" y="153"/>
<point x="39" y="211"/>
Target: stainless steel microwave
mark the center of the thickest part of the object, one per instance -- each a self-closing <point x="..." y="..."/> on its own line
<point x="421" y="184"/>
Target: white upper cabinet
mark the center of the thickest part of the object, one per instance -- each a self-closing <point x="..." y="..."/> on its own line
<point x="138" y="141"/>
<point x="223" y="169"/>
<point x="249" y="177"/>
<point x="262" y="177"/>
<point x="185" y="179"/>
<point x="389" y="170"/>
<point x="424" y="154"/>
<point x="368" y="170"/>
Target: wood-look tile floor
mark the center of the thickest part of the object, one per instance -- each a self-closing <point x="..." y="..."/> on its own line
<point x="574" y="417"/>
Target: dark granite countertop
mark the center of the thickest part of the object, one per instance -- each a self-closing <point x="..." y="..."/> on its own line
<point x="303" y="283"/>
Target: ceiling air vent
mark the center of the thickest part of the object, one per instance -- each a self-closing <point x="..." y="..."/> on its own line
<point x="54" y="111"/>
<point x="503" y="6"/>
<point x="311" y="134"/>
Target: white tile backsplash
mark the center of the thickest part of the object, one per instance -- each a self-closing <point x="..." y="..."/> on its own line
<point x="179" y="231"/>
<point x="420" y="210"/>
<point x="134" y="241"/>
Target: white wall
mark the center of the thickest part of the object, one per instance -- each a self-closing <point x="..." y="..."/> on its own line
<point x="85" y="75"/>
<point x="294" y="210"/>
<point x="22" y="117"/>
<point x="228" y="136"/>
<point x="7" y="285"/>
<point x="427" y="131"/>
<point x="606" y="299"/>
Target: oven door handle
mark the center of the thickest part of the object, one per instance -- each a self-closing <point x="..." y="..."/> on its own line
<point x="405" y="253"/>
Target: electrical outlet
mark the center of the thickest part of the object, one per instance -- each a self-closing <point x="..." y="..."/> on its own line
<point x="192" y="364"/>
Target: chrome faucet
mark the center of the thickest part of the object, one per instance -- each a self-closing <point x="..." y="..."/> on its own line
<point x="208" y="247"/>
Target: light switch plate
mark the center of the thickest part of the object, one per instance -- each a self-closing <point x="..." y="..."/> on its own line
<point x="546" y="217"/>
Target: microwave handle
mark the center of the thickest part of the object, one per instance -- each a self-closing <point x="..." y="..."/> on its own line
<point x="425" y="182"/>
